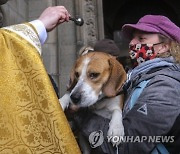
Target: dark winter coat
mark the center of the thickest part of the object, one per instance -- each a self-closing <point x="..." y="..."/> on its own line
<point x="157" y="109"/>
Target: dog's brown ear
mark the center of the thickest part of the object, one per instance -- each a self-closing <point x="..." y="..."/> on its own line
<point x="116" y="79"/>
<point x="72" y="80"/>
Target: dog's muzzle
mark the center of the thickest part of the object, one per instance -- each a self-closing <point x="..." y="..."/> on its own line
<point x="76" y="98"/>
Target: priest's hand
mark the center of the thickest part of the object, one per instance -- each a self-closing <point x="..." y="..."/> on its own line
<point x="53" y="16"/>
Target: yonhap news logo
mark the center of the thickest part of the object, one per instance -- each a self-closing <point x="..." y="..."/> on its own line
<point x="140" y="139"/>
<point x="96" y="139"/>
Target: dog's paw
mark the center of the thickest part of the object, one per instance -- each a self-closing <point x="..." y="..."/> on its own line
<point x="64" y="101"/>
<point x="115" y="134"/>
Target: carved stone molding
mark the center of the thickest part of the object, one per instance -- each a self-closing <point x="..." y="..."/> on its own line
<point x="90" y="27"/>
<point x="92" y="30"/>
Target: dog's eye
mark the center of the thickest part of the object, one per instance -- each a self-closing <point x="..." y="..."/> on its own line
<point x="93" y="75"/>
<point x="76" y="74"/>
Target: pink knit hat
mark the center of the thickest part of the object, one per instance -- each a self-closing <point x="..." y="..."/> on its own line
<point x="155" y="24"/>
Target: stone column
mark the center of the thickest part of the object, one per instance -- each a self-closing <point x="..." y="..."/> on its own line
<point x="66" y="46"/>
<point x="93" y="29"/>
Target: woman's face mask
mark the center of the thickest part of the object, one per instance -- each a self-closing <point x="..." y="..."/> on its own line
<point x="141" y="52"/>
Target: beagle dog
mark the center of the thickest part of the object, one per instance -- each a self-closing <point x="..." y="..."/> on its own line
<point x="95" y="82"/>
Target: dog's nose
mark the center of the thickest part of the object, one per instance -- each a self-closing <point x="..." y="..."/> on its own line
<point x="76" y="97"/>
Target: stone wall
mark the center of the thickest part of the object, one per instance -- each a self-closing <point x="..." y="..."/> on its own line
<point x="15" y="11"/>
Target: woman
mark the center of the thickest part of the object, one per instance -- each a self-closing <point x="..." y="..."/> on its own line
<point x="154" y="50"/>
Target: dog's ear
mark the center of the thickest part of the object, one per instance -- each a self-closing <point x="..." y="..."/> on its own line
<point x="72" y="80"/>
<point x="116" y="79"/>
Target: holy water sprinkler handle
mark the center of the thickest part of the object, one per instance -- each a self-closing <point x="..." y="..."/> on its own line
<point x="78" y="21"/>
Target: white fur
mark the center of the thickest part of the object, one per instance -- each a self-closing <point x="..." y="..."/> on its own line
<point x="108" y="108"/>
<point x="65" y="100"/>
<point x="88" y="94"/>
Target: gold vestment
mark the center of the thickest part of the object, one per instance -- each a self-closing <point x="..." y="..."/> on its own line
<point x="31" y="118"/>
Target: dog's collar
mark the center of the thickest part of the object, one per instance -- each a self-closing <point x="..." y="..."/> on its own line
<point x="102" y="96"/>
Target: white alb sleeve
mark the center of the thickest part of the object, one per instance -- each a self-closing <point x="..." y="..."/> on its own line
<point x="41" y="30"/>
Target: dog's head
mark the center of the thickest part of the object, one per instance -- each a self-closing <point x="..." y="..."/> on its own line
<point x="94" y="75"/>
